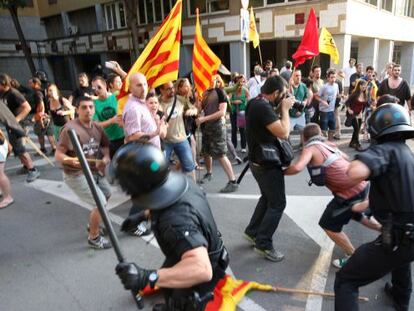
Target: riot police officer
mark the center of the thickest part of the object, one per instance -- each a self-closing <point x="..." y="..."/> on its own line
<point x="182" y="223"/>
<point x="389" y="164"/>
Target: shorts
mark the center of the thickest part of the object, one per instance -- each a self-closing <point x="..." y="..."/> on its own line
<point x="3" y="151"/>
<point x="43" y="131"/>
<point x="297" y="123"/>
<point x="80" y="187"/>
<point x="214" y="140"/>
<point x="16" y="142"/>
<point x="338" y="212"/>
<point x="327" y="120"/>
<point x="184" y="154"/>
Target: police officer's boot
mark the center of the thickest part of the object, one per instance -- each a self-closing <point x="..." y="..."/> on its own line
<point x="160" y="307"/>
<point x="398" y="305"/>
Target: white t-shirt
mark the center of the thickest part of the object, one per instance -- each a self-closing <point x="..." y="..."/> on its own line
<point x="254" y="85"/>
<point x="348" y="71"/>
<point x="328" y="93"/>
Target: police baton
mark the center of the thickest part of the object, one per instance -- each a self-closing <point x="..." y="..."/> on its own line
<point x="102" y="211"/>
<point x="244" y="171"/>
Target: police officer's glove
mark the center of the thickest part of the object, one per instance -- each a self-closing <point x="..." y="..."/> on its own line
<point x="133" y="277"/>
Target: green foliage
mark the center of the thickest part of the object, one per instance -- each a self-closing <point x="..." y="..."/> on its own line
<point x="6" y="4"/>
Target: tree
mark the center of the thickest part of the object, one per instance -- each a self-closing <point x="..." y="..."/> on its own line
<point x="131" y="9"/>
<point x="12" y="6"/>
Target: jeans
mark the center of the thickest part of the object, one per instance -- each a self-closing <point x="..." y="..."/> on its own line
<point x="183" y="152"/>
<point x="328" y="121"/>
<point x="269" y="209"/>
<point x="242" y="130"/>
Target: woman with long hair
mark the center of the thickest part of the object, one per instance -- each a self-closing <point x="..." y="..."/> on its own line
<point x="239" y="101"/>
<point x="114" y="83"/>
<point x="61" y="110"/>
<point x="355" y="104"/>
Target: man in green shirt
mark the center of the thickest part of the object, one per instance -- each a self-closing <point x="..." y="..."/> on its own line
<point x="300" y="92"/>
<point x="106" y="114"/>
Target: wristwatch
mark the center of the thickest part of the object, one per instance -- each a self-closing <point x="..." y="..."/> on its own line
<point x="153" y="278"/>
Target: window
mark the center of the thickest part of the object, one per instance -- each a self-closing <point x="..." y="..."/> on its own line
<point x="396" y="54"/>
<point x="404" y="7"/>
<point x="115" y="15"/>
<point x="261" y="3"/>
<point x="387" y="5"/>
<point x="207" y="6"/>
<point x="373" y="2"/>
<point x="153" y="11"/>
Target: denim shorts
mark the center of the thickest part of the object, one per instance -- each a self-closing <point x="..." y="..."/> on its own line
<point x="327" y="121"/>
<point x="183" y="152"/>
<point x="79" y="185"/>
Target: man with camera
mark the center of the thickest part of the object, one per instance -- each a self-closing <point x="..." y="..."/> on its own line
<point x="264" y="128"/>
<point x="300" y="92"/>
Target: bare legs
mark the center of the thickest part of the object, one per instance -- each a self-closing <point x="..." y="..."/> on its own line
<point x="5" y="187"/>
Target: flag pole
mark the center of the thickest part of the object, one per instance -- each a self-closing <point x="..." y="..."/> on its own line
<point x="260" y="55"/>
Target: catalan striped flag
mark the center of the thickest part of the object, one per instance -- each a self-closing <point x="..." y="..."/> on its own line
<point x="205" y="62"/>
<point x="227" y="293"/>
<point x="159" y="60"/>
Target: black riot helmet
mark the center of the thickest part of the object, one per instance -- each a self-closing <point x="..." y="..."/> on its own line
<point x="390" y="122"/>
<point x="142" y="171"/>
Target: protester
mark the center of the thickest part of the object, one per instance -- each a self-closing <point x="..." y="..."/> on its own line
<point x="238" y="100"/>
<point x="175" y="109"/>
<point x="348" y="72"/>
<point x="358" y="74"/>
<point x="387" y="71"/>
<point x="61" y="110"/>
<point x="106" y="114"/>
<point x="338" y="104"/>
<point x="183" y="225"/>
<point x="286" y="71"/>
<point x="264" y="126"/>
<point x="4" y="180"/>
<point x="389" y="165"/>
<point x="95" y="146"/>
<point x="213" y="129"/>
<point x="340" y="210"/>
<point x="114" y="83"/>
<point x="316" y="86"/>
<point x="300" y="93"/>
<point x="43" y="125"/>
<point x="371" y="93"/>
<point x="84" y="89"/>
<point x="254" y="84"/>
<point x="355" y="104"/>
<point x="397" y="86"/>
<point x="20" y="108"/>
<point x="327" y="98"/>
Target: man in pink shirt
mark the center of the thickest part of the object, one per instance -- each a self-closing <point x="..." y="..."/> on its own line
<point x="137" y="119"/>
<point x="328" y="167"/>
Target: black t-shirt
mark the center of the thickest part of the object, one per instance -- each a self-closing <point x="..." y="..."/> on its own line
<point x="81" y="91"/>
<point x="14" y="100"/>
<point x="402" y="92"/>
<point x="259" y="114"/>
<point x="392" y="174"/>
<point x="212" y="98"/>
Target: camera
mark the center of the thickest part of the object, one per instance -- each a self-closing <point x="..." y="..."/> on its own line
<point x="298" y="105"/>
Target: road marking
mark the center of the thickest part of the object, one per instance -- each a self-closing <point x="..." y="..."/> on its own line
<point x="61" y="190"/>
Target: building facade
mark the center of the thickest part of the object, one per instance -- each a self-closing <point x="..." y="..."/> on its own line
<point x="67" y="37"/>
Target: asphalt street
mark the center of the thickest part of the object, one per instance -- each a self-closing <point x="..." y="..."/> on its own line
<point x="46" y="264"/>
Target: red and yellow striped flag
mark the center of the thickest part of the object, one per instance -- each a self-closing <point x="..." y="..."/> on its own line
<point x="159" y="60"/>
<point x="205" y="62"/>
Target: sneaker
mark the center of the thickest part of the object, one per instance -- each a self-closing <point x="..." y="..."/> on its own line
<point x="238" y="160"/>
<point x="206" y="178"/>
<point x="270" y="254"/>
<point x="243" y="150"/>
<point x="99" y="243"/>
<point x="32" y="175"/>
<point x="231" y="186"/>
<point x="340" y="262"/>
<point x="249" y="238"/>
<point x="140" y="230"/>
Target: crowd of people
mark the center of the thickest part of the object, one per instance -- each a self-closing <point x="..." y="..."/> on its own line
<point x="262" y="112"/>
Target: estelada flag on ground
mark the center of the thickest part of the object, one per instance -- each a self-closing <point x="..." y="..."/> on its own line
<point x="327" y="45"/>
<point x="205" y="62"/>
<point x="227" y="293"/>
<point x="253" y="34"/>
<point x="159" y="60"/>
<point x="309" y="46"/>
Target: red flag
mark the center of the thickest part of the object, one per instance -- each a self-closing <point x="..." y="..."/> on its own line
<point x="309" y="46"/>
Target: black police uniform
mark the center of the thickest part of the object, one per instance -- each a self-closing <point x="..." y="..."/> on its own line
<point x="184" y="226"/>
<point x="392" y="203"/>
